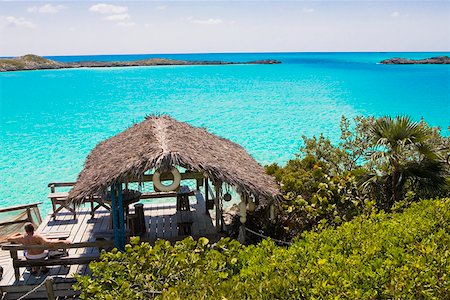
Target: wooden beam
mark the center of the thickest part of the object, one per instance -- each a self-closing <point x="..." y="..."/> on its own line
<point x="152" y="195"/>
<point x="19" y="207"/>
<point x="60" y="184"/>
<point x="166" y="176"/>
<point x="14" y="222"/>
<point x="96" y="244"/>
<point x="61" y="286"/>
<point x="61" y="283"/>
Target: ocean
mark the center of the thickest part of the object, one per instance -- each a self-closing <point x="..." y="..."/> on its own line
<point x="51" y="119"/>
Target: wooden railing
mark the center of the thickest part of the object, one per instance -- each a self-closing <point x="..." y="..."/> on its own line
<point x="28" y="208"/>
<point x="71" y="259"/>
<point x="54" y="185"/>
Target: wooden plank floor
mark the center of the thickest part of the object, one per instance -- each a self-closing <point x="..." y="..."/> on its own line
<point x="162" y="223"/>
<point x="160" y="219"/>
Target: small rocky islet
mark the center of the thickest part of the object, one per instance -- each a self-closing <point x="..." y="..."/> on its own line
<point x="35" y="62"/>
<point x="438" y="60"/>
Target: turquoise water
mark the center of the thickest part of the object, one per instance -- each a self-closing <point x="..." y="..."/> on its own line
<point x="50" y="120"/>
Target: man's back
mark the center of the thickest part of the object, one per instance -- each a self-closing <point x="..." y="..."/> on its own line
<point x="33" y="239"/>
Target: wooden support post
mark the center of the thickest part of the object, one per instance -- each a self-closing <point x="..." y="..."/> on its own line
<point x="49" y="289"/>
<point x="221" y="214"/>
<point x="92" y="206"/>
<point x="74" y="210"/>
<point x="206" y="195"/>
<point x="218" y="191"/>
<point x="197" y="185"/>
<point x="121" y="218"/>
<point x="115" y="216"/>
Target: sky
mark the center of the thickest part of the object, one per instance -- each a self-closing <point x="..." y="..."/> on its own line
<point x="136" y="27"/>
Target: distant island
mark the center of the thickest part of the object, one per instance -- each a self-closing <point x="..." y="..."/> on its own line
<point x="439" y="60"/>
<point x="35" y="62"/>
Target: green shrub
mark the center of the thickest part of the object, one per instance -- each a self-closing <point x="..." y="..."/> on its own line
<point x="314" y="197"/>
<point x="382" y="256"/>
<point x="384" y="164"/>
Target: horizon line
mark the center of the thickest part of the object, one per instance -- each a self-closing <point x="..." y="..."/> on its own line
<point x="206" y="53"/>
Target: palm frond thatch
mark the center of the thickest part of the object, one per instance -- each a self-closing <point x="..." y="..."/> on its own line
<point x="160" y="142"/>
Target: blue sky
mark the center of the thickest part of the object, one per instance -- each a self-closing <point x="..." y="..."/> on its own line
<point x="104" y="27"/>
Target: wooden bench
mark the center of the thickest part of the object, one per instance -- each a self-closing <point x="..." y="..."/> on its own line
<point x="55" y="235"/>
<point x="60" y="200"/>
<point x="71" y="259"/>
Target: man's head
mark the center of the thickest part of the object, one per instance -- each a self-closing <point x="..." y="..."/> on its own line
<point x="29" y="228"/>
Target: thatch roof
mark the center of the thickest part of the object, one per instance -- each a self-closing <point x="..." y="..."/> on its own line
<point x="162" y="142"/>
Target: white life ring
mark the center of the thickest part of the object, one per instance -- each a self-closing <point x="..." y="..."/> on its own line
<point x="167" y="188"/>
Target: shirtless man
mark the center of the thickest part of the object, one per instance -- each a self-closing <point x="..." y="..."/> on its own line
<point x="29" y="239"/>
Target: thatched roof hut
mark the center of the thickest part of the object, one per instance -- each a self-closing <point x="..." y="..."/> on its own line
<point x="160" y="142"/>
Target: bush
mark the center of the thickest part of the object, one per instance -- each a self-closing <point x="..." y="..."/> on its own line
<point x="399" y="255"/>
<point x="378" y="164"/>
<point x="314" y="197"/>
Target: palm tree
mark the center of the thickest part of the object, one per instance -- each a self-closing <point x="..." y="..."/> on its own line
<point x="402" y="154"/>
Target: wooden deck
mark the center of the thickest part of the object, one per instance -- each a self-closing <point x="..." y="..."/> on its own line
<point x="160" y="220"/>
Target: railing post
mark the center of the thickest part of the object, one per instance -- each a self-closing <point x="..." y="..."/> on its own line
<point x="49" y="289"/>
<point x="38" y="214"/>
<point x="14" y="257"/>
<point x="29" y="217"/>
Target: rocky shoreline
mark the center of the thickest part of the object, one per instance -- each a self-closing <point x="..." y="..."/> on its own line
<point x="35" y="62"/>
<point x="439" y="60"/>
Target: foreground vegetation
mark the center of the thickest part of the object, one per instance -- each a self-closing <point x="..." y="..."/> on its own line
<point x="378" y="164"/>
<point x="382" y="256"/>
<point x="353" y="212"/>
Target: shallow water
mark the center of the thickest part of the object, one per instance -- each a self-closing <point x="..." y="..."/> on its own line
<point x="50" y="120"/>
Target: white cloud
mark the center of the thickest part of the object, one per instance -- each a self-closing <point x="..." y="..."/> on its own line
<point x="209" y="21"/>
<point x="11" y="21"/>
<point x="103" y="8"/>
<point x="126" y="24"/>
<point x="121" y="17"/>
<point x="161" y="7"/>
<point x="46" y="9"/>
<point x="395" y="14"/>
<point x="308" y="10"/>
<point x="114" y="13"/>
